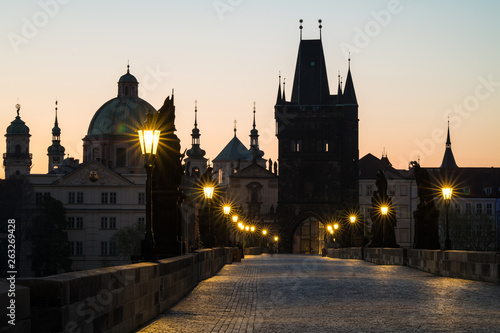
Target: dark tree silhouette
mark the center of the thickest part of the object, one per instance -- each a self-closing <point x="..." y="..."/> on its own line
<point x="49" y="238"/>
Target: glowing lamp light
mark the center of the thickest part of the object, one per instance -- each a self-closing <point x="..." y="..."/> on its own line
<point x="235" y="219"/>
<point x="241" y="226"/>
<point x="264" y="232"/>
<point x="149" y="141"/>
<point x="336" y="226"/>
<point x="252" y="228"/>
<point x="247" y="228"/>
<point x="384" y="210"/>
<point x="275" y="238"/>
<point x="208" y="191"/>
<point x="227" y="209"/>
<point x="447" y="193"/>
<point x="329" y="228"/>
<point x="352" y="218"/>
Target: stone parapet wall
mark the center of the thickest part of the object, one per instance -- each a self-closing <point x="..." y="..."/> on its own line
<point x="385" y="256"/>
<point x="117" y="299"/>
<point x="252" y="250"/>
<point x="345" y="253"/>
<point x="480" y="266"/>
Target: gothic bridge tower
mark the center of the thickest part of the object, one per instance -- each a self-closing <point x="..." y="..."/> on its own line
<point x="318" y="151"/>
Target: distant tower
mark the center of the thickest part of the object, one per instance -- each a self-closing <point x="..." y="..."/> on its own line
<point x="55" y="151"/>
<point x="254" y="140"/>
<point x="196" y="162"/>
<point x="448" y="159"/>
<point x="17" y="159"/>
<point x="317" y="151"/>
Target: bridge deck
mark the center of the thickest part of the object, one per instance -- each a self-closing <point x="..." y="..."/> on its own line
<point x="302" y="293"/>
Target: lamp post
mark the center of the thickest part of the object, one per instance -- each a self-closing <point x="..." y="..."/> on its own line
<point x="447" y="194"/>
<point x="352" y="219"/>
<point x="208" y="192"/>
<point x="384" y="210"/>
<point x="276" y="239"/>
<point x="227" y="210"/>
<point x="149" y="138"/>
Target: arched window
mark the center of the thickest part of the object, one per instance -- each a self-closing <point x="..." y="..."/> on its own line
<point x="126" y="91"/>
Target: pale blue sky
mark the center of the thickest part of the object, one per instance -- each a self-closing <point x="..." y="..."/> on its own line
<point x="412" y="69"/>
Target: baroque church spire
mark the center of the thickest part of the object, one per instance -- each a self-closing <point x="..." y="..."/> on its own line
<point x="55" y="152"/>
<point x="349" y="96"/>
<point x="448" y="158"/>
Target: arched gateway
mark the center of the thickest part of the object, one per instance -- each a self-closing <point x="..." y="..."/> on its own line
<point x="309" y="236"/>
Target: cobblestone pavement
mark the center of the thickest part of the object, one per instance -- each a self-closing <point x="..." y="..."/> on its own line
<point x="302" y="293"/>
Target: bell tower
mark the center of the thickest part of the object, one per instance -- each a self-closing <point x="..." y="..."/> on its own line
<point x="55" y="151"/>
<point x="17" y="159"/>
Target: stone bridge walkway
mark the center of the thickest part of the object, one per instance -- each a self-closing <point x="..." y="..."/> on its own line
<point x="302" y="293"/>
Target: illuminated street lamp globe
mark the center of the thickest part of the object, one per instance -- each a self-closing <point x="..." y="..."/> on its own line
<point x="226" y="209"/>
<point x="352" y="218"/>
<point x="384" y="210"/>
<point x="235" y="218"/>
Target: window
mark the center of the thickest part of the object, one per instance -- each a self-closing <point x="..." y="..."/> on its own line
<point x="104" y="197"/>
<point x="479" y="208"/>
<point x="141" y="220"/>
<point x="107" y="249"/>
<point x="75" y="248"/>
<point x="468" y="208"/>
<point x="221" y="176"/>
<point x="112" y="197"/>
<point x="96" y="154"/>
<point x="38" y="197"/>
<point x="112" y="223"/>
<point x="403" y="190"/>
<point x="71" y="223"/>
<point x="392" y="189"/>
<point x="457" y="208"/>
<point x="488" y="191"/>
<point x="104" y="223"/>
<point x="71" y="197"/>
<point x="369" y="189"/>
<point x="296" y="146"/>
<point x="489" y="209"/>
<point x="79" y="197"/>
<point x="141" y="198"/>
<point x="121" y="157"/>
<point x="79" y="222"/>
<point x="322" y="146"/>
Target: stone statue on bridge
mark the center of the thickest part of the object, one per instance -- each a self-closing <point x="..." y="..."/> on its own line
<point x="426" y="215"/>
<point x="383" y="221"/>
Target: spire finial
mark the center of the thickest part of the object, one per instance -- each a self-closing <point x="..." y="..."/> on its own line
<point x="18" y="107"/>
<point x="56" y="113"/>
<point x="300" y="27"/>
<point x="254" y="115"/>
<point x="195" y="113"/>
<point x="128" y="66"/>
<point x="235" y="128"/>
<point x="349" y="61"/>
<point x="320" y="26"/>
<point x="284" y="99"/>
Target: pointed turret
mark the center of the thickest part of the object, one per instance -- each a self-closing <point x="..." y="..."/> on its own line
<point x="448" y="159"/>
<point x="349" y="96"/>
<point x="278" y="98"/>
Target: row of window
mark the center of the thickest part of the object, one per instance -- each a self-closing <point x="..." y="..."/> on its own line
<point x="107" y="249"/>
<point x="321" y="146"/>
<point x="467" y="208"/>
<point x="78" y="197"/>
<point x="391" y="190"/>
<point x="107" y="222"/>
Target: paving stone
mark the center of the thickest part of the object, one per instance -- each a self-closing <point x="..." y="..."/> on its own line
<point x="303" y="293"/>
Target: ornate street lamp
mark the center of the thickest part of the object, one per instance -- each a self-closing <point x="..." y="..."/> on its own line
<point x="208" y="192"/>
<point x="447" y="194"/>
<point x="384" y="210"/>
<point x="352" y="219"/>
<point x="227" y="210"/>
<point x="276" y="239"/>
<point x="149" y="138"/>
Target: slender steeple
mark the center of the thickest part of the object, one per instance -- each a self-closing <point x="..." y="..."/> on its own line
<point x="278" y="98"/>
<point x="195" y="152"/>
<point x="254" y="133"/>
<point x="55" y="152"/>
<point x="448" y="159"/>
<point x="284" y="97"/>
<point x="349" y="96"/>
<point x="339" y="89"/>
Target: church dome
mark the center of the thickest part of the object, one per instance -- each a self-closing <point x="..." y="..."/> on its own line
<point x="119" y="116"/>
<point x="17" y="126"/>
<point x="127" y="78"/>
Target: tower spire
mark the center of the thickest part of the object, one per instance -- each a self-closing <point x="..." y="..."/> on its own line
<point x="235" y="128"/>
<point x="448" y="158"/>
<point x="195" y="114"/>
<point x="300" y="28"/>
<point x="254" y="115"/>
<point x="284" y="97"/>
<point x="278" y="98"/>
<point x="320" y="26"/>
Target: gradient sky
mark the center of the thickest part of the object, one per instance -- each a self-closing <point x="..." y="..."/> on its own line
<point x="414" y="64"/>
